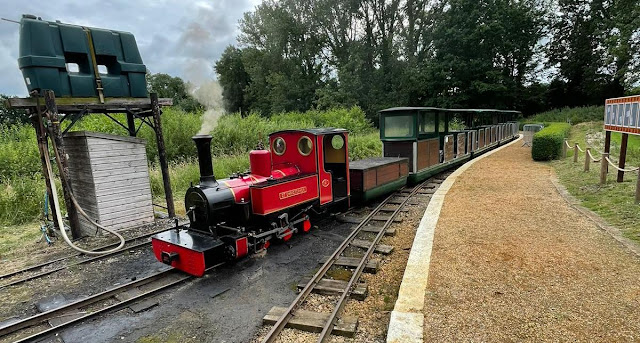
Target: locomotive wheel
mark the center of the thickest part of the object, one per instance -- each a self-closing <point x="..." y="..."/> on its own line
<point x="266" y="244"/>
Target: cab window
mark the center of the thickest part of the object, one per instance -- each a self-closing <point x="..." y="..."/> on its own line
<point x="399" y="126"/>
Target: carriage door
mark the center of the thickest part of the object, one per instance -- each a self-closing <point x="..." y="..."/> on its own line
<point x="335" y="163"/>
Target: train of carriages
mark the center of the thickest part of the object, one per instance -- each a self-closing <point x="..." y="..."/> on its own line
<point x="308" y="171"/>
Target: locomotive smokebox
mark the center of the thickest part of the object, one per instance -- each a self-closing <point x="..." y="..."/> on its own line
<point x="203" y="144"/>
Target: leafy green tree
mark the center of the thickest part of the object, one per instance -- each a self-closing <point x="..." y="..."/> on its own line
<point x="10" y="116"/>
<point x="173" y="87"/>
<point x="233" y="78"/>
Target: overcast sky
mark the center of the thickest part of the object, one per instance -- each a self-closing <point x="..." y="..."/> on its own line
<point x="178" y="37"/>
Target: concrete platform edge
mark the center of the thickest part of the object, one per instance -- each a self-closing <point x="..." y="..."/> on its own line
<point x="407" y="321"/>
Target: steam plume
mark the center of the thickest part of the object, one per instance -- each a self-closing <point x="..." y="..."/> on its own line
<point x="209" y="94"/>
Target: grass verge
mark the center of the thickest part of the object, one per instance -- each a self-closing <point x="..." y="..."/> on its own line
<point x="612" y="201"/>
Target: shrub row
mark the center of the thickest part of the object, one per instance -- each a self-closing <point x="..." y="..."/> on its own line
<point x="547" y="143"/>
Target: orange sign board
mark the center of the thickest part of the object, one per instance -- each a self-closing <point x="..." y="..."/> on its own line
<point x="623" y="114"/>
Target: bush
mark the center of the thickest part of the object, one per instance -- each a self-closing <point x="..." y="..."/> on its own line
<point x="547" y="143"/>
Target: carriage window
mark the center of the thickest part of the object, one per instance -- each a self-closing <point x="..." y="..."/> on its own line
<point x="608" y="116"/>
<point x="279" y="146"/>
<point x="634" y="114"/>
<point x="398" y="126"/>
<point x="427" y="123"/>
<point x="304" y="145"/>
<point x="337" y="142"/>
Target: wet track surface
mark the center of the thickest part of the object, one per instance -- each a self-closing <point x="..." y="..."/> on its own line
<point x="227" y="305"/>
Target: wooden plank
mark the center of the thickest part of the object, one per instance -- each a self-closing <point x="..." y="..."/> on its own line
<point x="129" y="220"/>
<point x="380" y="248"/>
<point x="393" y="208"/>
<point x="426" y="191"/>
<point x="102" y="167"/>
<point x="124" y="201"/>
<point x="128" y="208"/>
<point x="313" y="321"/>
<point x="119" y="159"/>
<point x="126" y="212"/>
<point x="118" y="184"/>
<point x="118" y="195"/>
<point x="90" y="103"/>
<point x="375" y="229"/>
<point x="352" y="262"/>
<point x="385" y="218"/>
<point x="332" y="287"/>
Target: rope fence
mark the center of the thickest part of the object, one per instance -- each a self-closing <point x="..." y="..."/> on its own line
<point x="620" y="169"/>
<point x="605" y="161"/>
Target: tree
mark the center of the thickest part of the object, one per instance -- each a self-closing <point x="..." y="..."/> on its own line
<point x="173" y="87"/>
<point x="10" y="116"/>
<point x="233" y="78"/>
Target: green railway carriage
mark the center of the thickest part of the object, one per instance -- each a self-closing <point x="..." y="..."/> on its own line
<point x="435" y="139"/>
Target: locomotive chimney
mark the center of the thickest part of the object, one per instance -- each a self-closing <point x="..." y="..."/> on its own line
<point x="203" y="144"/>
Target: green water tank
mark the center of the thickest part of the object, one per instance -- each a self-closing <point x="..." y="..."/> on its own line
<point x="58" y="56"/>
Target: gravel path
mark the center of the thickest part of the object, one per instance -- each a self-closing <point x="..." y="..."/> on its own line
<point x="512" y="261"/>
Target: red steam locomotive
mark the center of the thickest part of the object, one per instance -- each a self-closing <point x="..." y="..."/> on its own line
<point x="230" y="218"/>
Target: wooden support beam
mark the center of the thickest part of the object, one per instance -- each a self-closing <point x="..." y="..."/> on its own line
<point x="131" y="124"/>
<point x="623" y="156"/>
<point x="67" y="105"/>
<point x="313" y="321"/>
<point x="56" y="135"/>
<point x="162" y="155"/>
<point x="607" y="142"/>
<point x="43" y="149"/>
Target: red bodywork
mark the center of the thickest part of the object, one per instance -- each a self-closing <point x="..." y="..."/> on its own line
<point x="309" y="179"/>
<point x="190" y="261"/>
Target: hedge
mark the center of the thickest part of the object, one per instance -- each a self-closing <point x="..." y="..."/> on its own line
<point x="547" y="143"/>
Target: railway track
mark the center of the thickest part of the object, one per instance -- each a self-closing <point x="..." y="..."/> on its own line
<point x="400" y="199"/>
<point x="47" y="323"/>
<point x="40" y="270"/>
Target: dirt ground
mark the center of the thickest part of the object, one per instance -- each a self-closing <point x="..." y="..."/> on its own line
<point x="512" y="261"/>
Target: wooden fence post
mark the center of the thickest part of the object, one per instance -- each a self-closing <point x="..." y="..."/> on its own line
<point x="575" y="152"/>
<point x="587" y="159"/>
<point x="638" y="188"/>
<point x="603" y="168"/>
<point x="564" y="149"/>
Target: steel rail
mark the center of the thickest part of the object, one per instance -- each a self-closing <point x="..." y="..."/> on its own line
<point x="42" y="317"/>
<point x="304" y="293"/>
<point x="91" y="259"/>
<point x="328" y="328"/>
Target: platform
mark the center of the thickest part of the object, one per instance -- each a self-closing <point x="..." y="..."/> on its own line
<point x="511" y="260"/>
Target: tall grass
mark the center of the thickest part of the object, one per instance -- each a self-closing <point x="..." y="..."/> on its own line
<point x="22" y="188"/>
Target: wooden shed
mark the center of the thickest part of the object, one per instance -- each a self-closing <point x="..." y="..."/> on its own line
<point x="110" y="179"/>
